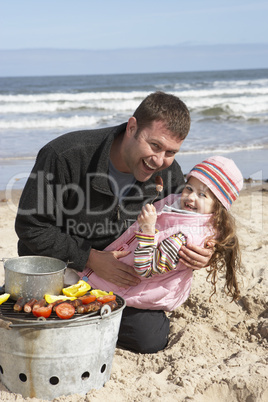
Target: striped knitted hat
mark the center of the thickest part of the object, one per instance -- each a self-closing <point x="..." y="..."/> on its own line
<point x="222" y="177"/>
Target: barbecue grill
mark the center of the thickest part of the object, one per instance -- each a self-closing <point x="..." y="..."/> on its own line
<point x="47" y="358"/>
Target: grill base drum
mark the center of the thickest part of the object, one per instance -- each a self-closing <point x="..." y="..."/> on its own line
<point x="49" y="359"/>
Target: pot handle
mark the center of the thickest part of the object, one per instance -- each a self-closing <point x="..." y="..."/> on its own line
<point x="3" y="259"/>
<point x="105" y="311"/>
<point x="5" y="324"/>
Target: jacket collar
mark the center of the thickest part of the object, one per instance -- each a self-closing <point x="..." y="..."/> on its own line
<point x="101" y="180"/>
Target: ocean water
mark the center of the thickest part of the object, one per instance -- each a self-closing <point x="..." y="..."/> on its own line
<point x="229" y="112"/>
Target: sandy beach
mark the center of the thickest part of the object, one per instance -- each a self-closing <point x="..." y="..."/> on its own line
<point x="217" y="350"/>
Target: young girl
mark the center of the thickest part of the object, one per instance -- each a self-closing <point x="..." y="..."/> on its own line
<point x="198" y="216"/>
<point x="211" y="188"/>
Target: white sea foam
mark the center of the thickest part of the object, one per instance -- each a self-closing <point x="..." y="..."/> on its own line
<point x="75" y="121"/>
<point x="229" y="110"/>
<point x="223" y="150"/>
<point x="244" y="99"/>
<point x="66" y="106"/>
<point x="223" y="92"/>
<point x="81" y="96"/>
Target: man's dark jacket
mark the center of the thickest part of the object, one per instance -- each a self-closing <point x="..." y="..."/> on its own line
<point x="67" y="205"/>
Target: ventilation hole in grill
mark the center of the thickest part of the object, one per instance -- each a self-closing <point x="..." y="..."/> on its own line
<point x="85" y="375"/>
<point x="54" y="380"/>
<point x="103" y="368"/>
<point x="1" y="370"/>
<point x="23" y="377"/>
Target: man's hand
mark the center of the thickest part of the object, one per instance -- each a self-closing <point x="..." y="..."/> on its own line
<point x="106" y="265"/>
<point x="196" y="257"/>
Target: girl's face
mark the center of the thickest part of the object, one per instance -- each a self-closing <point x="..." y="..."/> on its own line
<point x="196" y="197"/>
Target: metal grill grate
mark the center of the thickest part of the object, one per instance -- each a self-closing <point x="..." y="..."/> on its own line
<point x="7" y="312"/>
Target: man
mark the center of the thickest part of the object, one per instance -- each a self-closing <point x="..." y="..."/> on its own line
<point x="88" y="186"/>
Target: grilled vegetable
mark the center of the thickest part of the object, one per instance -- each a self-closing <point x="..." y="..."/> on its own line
<point x="106" y="298"/>
<point x="52" y="298"/>
<point x="42" y="311"/>
<point x="98" y="292"/>
<point x="4" y="297"/>
<point x="79" y="289"/>
<point x="87" y="299"/>
<point x="65" y="310"/>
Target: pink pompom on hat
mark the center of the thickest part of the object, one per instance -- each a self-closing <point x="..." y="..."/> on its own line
<point x="221" y="176"/>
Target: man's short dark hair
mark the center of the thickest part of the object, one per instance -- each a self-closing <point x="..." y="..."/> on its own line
<point x="160" y="106"/>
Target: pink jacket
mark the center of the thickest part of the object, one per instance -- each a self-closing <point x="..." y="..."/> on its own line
<point x="159" y="292"/>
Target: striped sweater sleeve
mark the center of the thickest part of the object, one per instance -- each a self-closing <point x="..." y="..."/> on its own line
<point x="144" y="254"/>
<point x="150" y="260"/>
<point x="167" y="256"/>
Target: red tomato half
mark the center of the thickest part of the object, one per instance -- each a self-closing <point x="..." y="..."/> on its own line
<point x="65" y="311"/>
<point x="106" y="298"/>
<point x="42" y="311"/>
<point x="87" y="299"/>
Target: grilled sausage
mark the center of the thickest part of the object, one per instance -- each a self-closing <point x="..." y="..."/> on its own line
<point x="113" y="304"/>
<point x="75" y="303"/>
<point x="159" y="185"/>
<point x="39" y="303"/>
<point x="29" y="305"/>
<point x="56" y="303"/>
<point x="86" y="308"/>
<point x="18" y="306"/>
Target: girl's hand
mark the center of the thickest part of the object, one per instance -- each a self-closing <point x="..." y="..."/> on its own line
<point x="147" y="219"/>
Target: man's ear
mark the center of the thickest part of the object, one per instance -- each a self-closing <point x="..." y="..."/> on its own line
<point x="132" y="126"/>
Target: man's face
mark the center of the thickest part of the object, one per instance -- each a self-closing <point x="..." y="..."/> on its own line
<point x="152" y="150"/>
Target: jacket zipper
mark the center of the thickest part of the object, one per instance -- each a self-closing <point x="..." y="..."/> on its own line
<point x="125" y="220"/>
<point x="118" y="212"/>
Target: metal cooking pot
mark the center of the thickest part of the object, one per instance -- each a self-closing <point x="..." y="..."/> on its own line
<point x="33" y="276"/>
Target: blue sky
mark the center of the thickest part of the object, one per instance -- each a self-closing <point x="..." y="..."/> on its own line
<point x="130" y="36"/>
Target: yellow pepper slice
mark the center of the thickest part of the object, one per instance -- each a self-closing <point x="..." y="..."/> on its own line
<point x="98" y="292"/>
<point x="77" y="290"/>
<point x="4" y="297"/>
<point x="52" y="298"/>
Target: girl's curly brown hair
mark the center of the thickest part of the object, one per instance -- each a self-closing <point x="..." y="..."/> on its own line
<point x="227" y="255"/>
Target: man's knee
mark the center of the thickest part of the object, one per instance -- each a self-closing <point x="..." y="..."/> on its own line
<point x="143" y="331"/>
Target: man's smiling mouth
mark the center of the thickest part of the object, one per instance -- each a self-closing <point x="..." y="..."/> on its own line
<point x="148" y="165"/>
